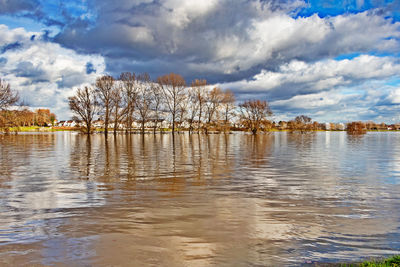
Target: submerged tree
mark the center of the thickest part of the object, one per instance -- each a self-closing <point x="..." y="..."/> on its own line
<point x="7" y="96"/>
<point x="254" y="113"/>
<point x="84" y="105"/>
<point x="228" y="104"/>
<point x="173" y="89"/>
<point x="199" y="98"/>
<point x="144" y="98"/>
<point x="214" y="99"/>
<point x="193" y="107"/>
<point x="157" y="102"/>
<point x="119" y="108"/>
<point x="356" y="127"/>
<point x="104" y="89"/>
<point x="129" y="93"/>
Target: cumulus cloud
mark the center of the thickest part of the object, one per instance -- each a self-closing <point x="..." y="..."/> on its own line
<point x="224" y="40"/>
<point x="330" y="90"/>
<point x="45" y="73"/>
<point x="366" y="102"/>
<point x="393" y="98"/>
<point x="299" y="77"/>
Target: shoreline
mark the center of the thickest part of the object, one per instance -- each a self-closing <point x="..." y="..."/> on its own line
<point x="16" y="130"/>
<point x="391" y="261"/>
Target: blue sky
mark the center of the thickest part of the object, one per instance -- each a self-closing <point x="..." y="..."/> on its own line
<point x="331" y="60"/>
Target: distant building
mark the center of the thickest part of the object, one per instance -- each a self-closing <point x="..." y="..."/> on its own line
<point x="98" y="124"/>
<point x="282" y="125"/>
<point x="393" y="127"/>
<point x="340" y="127"/>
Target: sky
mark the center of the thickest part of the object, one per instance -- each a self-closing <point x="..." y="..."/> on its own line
<point x="334" y="61"/>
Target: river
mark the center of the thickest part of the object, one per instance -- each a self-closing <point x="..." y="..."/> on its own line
<point x="196" y="200"/>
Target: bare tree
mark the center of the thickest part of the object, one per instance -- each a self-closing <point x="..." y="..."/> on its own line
<point x="104" y="88"/>
<point x="199" y="88"/>
<point x="7" y="96"/>
<point x="356" y="127"/>
<point x="301" y="123"/>
<point x="228" y="103"/>
<point x="214" y="99"/>
<point x="129" y="94"/>
<point x="173" y="88"/>
<point x="182" y="110"/>
<point x="42" y="117"/>
<point x="53" y="118"/>
<point x="144" y="98"/>
<point x="84" y="104"/>
<point x="193" y="107"/>
<point x="157" y="103"/>
<point x="254" y="113"/>
<point x="118" y="105"/>
<point x="303" y="119"/>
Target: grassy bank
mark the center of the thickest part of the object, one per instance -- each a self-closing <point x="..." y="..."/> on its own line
<point x="35" y="129"/>
<point x="393" y="261"/>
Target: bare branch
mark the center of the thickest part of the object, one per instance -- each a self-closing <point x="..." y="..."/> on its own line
<point x="7" y="96"/>
<point x="84" y="104"/>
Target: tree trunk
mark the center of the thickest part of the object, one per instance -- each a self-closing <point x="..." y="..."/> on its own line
<point x="173" y="123"/>
<point x="88" y="127"/>
<point x="106" y="122"/>
<point x="198" y="128"/>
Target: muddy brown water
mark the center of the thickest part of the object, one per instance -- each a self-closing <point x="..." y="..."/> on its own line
<point x="218" y="200"/>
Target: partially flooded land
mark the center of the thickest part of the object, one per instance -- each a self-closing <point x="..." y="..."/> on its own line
<point x="197" y="200"/>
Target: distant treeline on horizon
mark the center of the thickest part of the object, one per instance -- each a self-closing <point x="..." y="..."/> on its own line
<point x="135" y="102"/>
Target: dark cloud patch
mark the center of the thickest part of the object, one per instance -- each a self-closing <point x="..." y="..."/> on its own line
<point x="90" y="68"/>
<point x="27" y="70"/>
<point x="16" y="6"/>
<point x="52" y="22"/>
<point x="45" y="36"/>
<point x="12" y="46"/>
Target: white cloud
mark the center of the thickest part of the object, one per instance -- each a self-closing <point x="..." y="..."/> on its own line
<point x="45" y="73"/>
<point x="328" y="90"/>
<point x="313" y="101"/>
<point x="301" y="77"/>
<point x="227" y="38"/>
<point x="394" y="96"/>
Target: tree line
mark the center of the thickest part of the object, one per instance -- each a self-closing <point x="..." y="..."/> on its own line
<point x="23" y="116"/>
<point x="197" y="107"/>
<point x="132" y="97"/>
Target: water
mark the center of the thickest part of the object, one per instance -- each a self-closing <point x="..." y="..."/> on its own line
<point x="222" y="200"/>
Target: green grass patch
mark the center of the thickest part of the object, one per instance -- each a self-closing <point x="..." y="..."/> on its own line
<point x="35" y="129"/>
<point x="388" y="262"/>
<point x="24" y="129"/>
